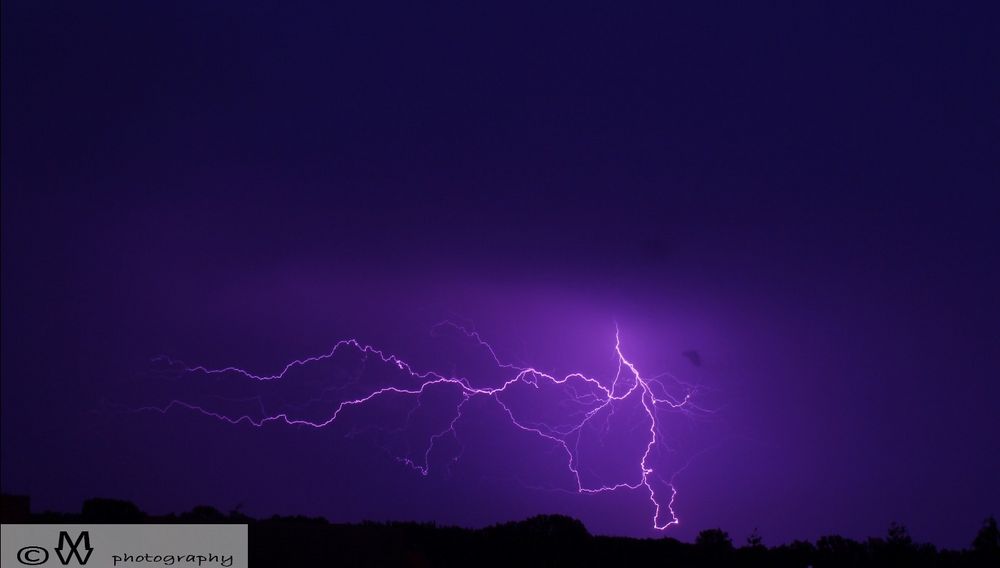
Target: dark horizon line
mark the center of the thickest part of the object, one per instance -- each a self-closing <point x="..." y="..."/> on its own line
<point x="16" y="508"/>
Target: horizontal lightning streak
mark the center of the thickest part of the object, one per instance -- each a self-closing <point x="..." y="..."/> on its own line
<point x="622" y="388"/>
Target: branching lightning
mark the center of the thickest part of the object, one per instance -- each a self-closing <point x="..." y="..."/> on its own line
<point x="627" y="384"/>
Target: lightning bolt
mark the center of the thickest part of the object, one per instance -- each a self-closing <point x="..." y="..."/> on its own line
<point x="595" y="396"/>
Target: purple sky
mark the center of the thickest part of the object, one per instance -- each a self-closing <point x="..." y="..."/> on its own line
<point x="807" y="197"/>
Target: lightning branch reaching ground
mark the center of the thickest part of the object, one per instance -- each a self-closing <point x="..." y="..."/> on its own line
<point x="592" y="396"/>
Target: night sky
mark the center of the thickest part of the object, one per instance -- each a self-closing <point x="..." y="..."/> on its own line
<point x="793" y="210"/>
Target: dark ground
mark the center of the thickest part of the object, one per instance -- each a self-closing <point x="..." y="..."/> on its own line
<point x="544" y="540"/>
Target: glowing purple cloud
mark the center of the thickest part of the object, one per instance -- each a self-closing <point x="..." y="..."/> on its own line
<point x="590" y="396"/>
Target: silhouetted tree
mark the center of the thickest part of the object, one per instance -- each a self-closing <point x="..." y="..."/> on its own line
<point x="111" y="511"/>
<point x="204" y="514"/>
<point x="795" y="553"/>
<point x="754" y="553"/>
<point x="714" y="539"/>
<point x="754" y="540"/>
<point x="986" y="545"/>
<point x="835" y="550"/>
<point x="898" y="547"/>
<point x="899" y="537"/>
<point x="714" y="546"/>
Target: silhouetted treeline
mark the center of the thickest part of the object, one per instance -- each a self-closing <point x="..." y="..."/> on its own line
<point x="544" y="540"/>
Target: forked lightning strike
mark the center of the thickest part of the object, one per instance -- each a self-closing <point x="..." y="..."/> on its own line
<point x="628" y="382"/>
